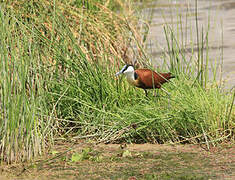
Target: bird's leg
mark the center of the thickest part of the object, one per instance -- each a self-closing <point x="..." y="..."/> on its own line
<point x="156" y="92"/>
<point x="169" y="95"/>
<point x="158" y="86"/>
<point x="146" y="93"/>
<point x="169" y="105"/>
<point x="166" y="92"/>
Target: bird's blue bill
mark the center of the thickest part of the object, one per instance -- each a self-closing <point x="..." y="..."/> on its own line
<point x="118" y="73"/>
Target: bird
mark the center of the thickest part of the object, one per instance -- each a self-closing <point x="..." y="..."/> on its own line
<point x="144" y="78"/>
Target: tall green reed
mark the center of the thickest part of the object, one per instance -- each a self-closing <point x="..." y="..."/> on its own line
<point x="24" y="125"/>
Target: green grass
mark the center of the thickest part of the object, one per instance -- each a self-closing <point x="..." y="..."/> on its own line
<point x="23" y="128"/>
<point x="110" y="109"/>
<point x="57" y="80"/>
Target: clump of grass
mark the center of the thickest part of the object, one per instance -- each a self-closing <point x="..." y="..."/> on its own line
<point x="24" y="129"/>
<point x="109" y="110"/>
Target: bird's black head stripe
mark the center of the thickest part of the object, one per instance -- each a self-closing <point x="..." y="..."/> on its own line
<point x="126" y="66"/>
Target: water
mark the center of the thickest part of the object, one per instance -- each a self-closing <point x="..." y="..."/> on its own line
<point x="222" y="26"/>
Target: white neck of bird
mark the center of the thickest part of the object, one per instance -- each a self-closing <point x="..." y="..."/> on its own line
<point x="130" y="77"/>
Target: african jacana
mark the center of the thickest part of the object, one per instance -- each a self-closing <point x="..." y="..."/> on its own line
<point x="144" y="78"/>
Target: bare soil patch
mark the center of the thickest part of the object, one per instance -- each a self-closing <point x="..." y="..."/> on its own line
<point x="131" y="161"/>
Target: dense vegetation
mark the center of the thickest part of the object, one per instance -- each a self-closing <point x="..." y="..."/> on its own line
<point x="58" y="62"/>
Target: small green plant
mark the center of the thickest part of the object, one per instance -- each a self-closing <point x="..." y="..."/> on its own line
<point x="126" y="153"/>
<point x="86" y="154"/>
<point x="54" y="152"/>
<point x="76" y="157"/>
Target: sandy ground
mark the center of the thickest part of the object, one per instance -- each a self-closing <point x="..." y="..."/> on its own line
<point x="127" y="161"/>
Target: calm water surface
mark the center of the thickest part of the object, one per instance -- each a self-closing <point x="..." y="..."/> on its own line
<point x="222" y="21"/>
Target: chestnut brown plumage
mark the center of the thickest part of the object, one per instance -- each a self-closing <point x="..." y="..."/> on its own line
<point x="144" y="78"/>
